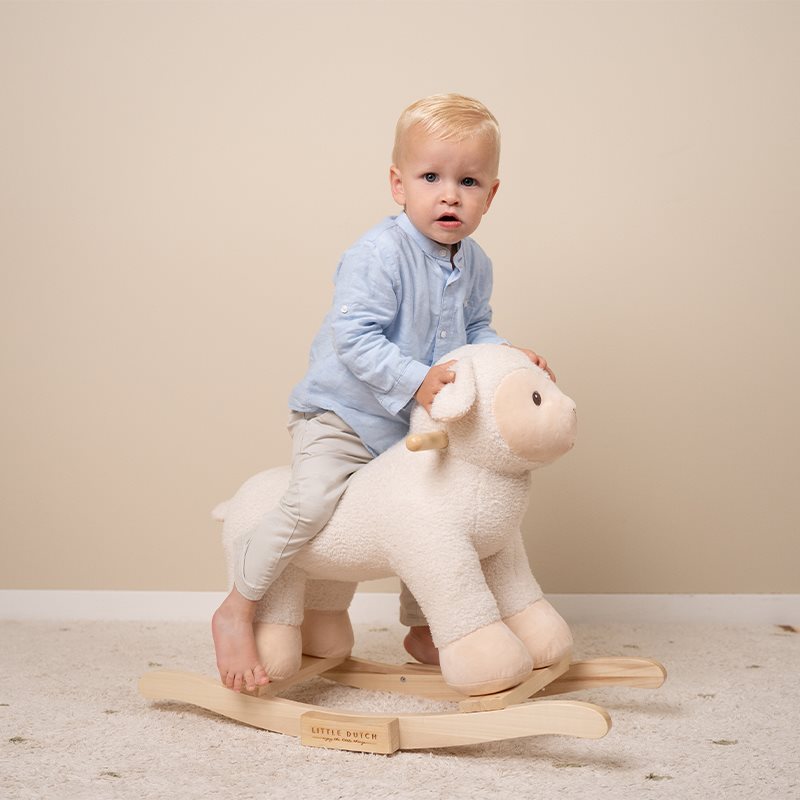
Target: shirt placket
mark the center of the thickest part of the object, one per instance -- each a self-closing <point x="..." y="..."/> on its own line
<point x="447" y="320"/>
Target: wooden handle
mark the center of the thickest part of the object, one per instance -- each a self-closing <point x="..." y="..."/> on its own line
<point x="434" y="440"/>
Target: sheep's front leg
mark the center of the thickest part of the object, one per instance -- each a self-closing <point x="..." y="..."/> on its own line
<point x="523" y="608"/>
<point x="277" y="624"/>
<point x="478" y="653"/>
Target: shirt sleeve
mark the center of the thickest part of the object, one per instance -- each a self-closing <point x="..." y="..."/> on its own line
<point x="365" y="304"/>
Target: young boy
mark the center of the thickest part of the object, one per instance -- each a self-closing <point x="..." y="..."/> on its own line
<point x="409" y="291"/>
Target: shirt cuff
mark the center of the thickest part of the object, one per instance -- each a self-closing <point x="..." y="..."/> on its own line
<point x="405" y="388"/>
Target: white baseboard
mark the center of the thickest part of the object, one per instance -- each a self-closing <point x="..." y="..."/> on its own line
<point x="381" y="607"/>
<point x="727" y="609"/>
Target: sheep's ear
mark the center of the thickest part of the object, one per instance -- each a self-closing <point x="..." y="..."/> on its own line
<point x="457" y="398"/>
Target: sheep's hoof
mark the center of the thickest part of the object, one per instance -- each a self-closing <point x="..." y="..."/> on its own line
<point x="485" y="661"/>
<point x="327" y="634"/>
<point x="279" y="649"/>
<point x="543" y="631"/>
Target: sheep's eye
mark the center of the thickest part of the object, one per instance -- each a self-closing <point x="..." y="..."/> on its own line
<point x="537" y="399"/>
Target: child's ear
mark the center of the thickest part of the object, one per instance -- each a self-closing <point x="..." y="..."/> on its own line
<point x="457" y="398"/>
<point x="396" y="185"/>
<point x="492" y="193"/>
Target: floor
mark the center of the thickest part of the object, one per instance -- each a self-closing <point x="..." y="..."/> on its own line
<point x="74" y="726"/>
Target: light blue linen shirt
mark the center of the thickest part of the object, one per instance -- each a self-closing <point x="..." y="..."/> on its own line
<point x="399" y="305"/>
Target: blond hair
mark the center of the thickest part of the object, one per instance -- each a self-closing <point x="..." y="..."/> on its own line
<point x="447" y="117"/>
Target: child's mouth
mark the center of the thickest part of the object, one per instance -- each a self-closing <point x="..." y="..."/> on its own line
<point x="449" y="220"/>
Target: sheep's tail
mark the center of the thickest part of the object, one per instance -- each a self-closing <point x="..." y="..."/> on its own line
<point x="220" y="512"/>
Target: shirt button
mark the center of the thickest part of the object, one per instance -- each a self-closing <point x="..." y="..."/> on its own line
<point x="443" y="334"/>
<point x="443" y="253"/>
<point x="344" y="309"/>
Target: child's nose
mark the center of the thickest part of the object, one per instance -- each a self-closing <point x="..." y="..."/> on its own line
<point x="450" y="195"/>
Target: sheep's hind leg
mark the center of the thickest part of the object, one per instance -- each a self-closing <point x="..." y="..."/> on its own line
<point x="326" y="628"/>
<point x="419" y="640"/>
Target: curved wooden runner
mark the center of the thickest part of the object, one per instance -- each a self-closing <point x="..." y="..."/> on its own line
<point x="426" y="681"/>
<point x="493" y="718"/>
<point x="345" y="730"/>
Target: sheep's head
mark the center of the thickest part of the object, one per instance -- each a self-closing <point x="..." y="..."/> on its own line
<point x="501" y="411"/>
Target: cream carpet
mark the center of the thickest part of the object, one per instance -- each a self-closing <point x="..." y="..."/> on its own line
<point x="73" y="725"/>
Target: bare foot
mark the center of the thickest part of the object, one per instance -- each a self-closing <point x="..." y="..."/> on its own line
<point x="235" y="644"/>
<point x="419" y="643"/>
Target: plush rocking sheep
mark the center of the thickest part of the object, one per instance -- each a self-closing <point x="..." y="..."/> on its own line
<point x="445" y="519"/>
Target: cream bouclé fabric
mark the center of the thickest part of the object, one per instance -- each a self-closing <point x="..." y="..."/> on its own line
<point x="446" y="521"/>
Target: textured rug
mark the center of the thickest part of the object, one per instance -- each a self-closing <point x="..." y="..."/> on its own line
<point x="73" y="725"/>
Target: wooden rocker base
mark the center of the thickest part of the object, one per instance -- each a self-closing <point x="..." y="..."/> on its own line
<point x="490" y="718"/>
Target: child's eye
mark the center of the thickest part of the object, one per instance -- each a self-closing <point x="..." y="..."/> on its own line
<point x="430" y="177"/>
<point x="469" y="182"/>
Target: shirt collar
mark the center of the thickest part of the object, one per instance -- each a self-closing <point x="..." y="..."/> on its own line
<point x="428" y="246"/>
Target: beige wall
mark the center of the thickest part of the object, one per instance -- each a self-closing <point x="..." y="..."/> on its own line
<point x="177" y="182"/>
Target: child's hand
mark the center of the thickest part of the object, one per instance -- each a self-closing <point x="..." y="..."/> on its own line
<point x="437" y="378"/>
<point x="540" y="361"/>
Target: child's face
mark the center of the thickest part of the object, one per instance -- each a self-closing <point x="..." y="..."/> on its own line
<point x="445" y="187"/>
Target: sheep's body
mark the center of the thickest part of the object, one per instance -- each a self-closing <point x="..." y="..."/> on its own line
<point x="446" y="521"/>
<point x="373" y="514"/>
<point x="469" y="510"/>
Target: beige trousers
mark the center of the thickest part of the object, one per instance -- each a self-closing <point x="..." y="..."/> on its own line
<point x="326" y="453"/>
